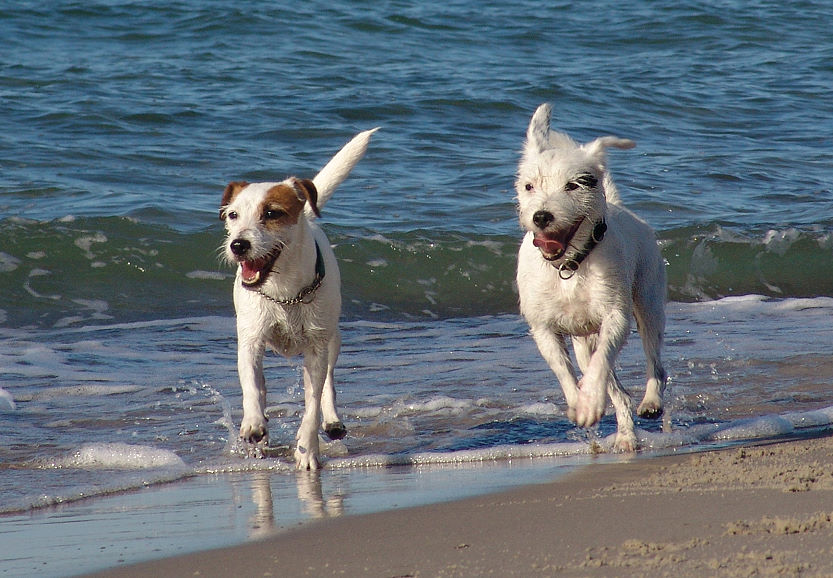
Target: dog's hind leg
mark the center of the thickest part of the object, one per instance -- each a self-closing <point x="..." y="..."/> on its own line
<point x="650" y="321"/>
<point x="625" y="436"/>
<point x="333" y="426"/>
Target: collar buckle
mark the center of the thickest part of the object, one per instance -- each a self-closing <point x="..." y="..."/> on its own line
<point x="567" y="269"/>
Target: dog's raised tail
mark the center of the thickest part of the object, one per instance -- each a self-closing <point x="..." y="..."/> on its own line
<point x="335" y="171"/>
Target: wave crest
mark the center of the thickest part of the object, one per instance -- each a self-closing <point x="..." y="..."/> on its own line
<point x="93" y="270"/>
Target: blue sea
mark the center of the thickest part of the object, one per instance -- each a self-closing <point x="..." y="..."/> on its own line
<point x="121" y="122"/>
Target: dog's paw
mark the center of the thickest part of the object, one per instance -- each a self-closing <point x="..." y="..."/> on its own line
<point x="335" y="430"/>
<point x="307" y="447"/>
<point x="254" y="431"/>
<point x="649" y="409"/>
<point x="625" y="442"/>
<point x="589" y="408"/>
<point x="305" y="459"/>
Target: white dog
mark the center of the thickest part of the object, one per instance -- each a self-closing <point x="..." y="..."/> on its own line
<point x="287" y="293"/>
<point x="585" y="266"/>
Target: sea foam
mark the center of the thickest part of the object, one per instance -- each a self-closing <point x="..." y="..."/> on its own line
<point x="6" y="399"/>
<point x="120" y="456"/>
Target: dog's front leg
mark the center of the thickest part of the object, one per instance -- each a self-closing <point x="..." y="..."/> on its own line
<point x="250" y="370"/>
<point x="553" y="348"/>
<point x="315" y="372"/>
<point x="590" y="405"/>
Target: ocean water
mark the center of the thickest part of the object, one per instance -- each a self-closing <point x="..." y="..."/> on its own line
<point x="122" y="122"/>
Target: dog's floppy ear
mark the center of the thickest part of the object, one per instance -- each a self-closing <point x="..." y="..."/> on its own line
<point x="604" y="142"/>
<point x="307" y="192"/>
<point x="538" y="133"/>
<point x="231" y="191"/>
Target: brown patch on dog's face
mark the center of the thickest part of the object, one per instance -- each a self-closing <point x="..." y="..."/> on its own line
<point x="232" y="190"/>
<point x="281" y="206"/>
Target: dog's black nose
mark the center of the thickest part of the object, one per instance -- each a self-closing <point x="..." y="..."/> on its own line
<point x="542" y="218"/>
<point x="240" y="247"/>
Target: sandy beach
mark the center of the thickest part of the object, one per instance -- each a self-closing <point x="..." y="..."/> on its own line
<point x="762" y="510"/>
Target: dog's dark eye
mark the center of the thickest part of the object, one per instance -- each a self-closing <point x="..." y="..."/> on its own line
<point x="528" y="186"/>
<point x="231" y="215"/>
<point x="270" y="214"/>
<point x="587" y="180"/>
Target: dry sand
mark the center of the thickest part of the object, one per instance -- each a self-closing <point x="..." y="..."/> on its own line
<point x="765" y="510"/>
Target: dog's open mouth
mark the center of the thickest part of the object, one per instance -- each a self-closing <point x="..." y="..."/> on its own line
<point x="553" y="244"/>
<point x="255" y="272"/>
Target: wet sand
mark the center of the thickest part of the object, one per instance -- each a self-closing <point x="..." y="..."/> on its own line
<point x="764" y="510"/>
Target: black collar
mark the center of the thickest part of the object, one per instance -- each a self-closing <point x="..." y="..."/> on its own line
<point x="304" y="295"/>
<point x="571" y="261"/>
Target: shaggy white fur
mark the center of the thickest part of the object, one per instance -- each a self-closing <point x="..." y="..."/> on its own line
<point x="585" y="267"/>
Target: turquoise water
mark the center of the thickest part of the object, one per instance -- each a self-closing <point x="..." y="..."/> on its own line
<point x="122" y="122"/>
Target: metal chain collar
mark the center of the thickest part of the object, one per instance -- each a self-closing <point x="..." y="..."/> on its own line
<point x="307" y="291"/>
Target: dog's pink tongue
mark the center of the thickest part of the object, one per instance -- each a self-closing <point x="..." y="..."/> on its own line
<point x="251" y="270"/>
<point x="547" y="245"/>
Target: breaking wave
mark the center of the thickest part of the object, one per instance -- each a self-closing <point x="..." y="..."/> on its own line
<point x="88" y="270"/>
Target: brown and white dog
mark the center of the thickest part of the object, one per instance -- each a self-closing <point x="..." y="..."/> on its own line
<point x="287" y="294"/>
